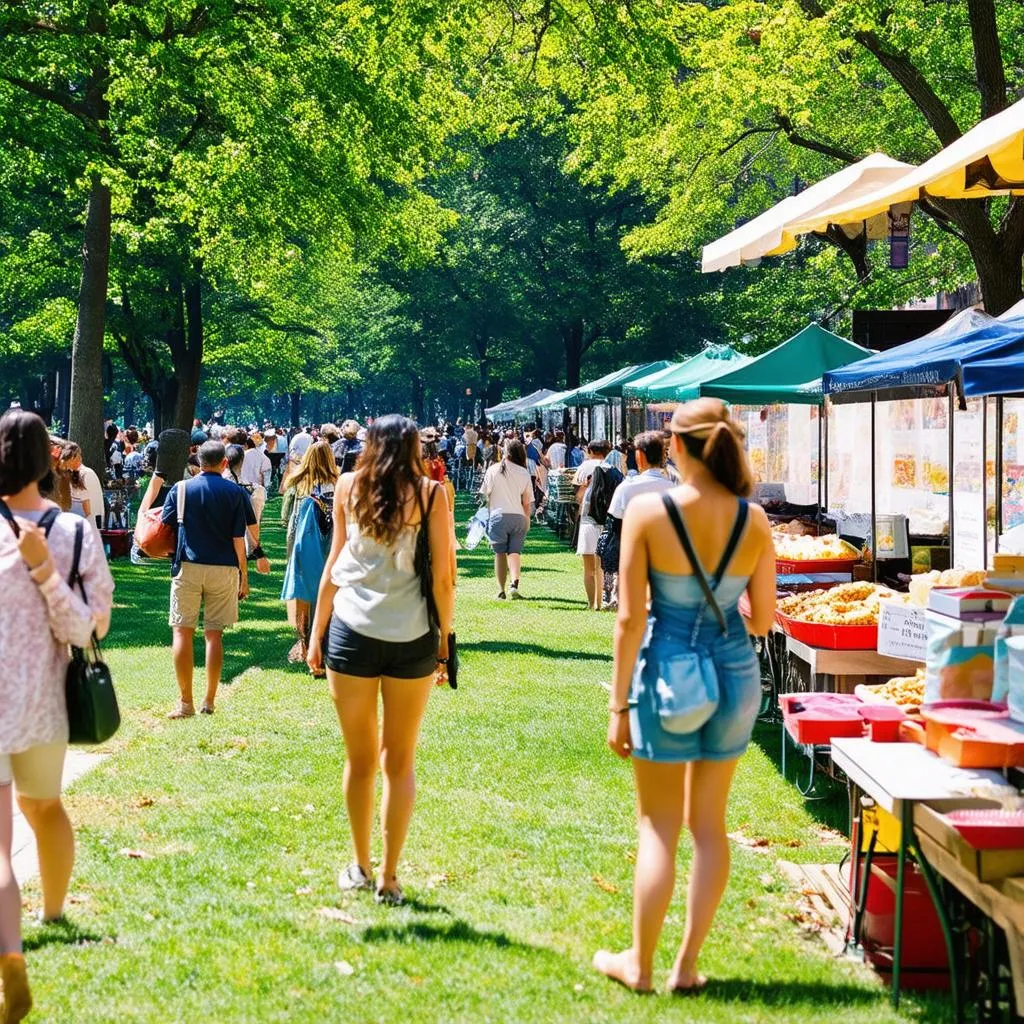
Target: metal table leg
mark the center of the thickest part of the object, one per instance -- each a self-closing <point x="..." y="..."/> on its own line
<point x="906" y="825"/>
<point x="865" y="881"/>
<point x="947" y="931"/>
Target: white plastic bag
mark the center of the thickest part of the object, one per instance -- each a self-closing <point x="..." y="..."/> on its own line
<point x="477" y="529"/>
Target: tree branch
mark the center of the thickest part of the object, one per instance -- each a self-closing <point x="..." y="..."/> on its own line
<point x="988" y="56"/>
<point x="845" y="156"/>
<point x="62" y="100"/>
<point x="903" y="71"/>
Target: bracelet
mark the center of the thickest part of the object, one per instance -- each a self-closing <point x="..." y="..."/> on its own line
<point x="618" y="711"/>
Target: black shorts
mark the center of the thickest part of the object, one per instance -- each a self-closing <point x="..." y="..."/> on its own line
<point x="353" y="654"/>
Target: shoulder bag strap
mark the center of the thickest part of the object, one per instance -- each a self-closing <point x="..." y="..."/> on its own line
<point x="49" y="517"/>
<point x="698" y="571"/>
<point x="734" y="540"/>
<point x="75" y="576"/>
<point x="6" y="513"/>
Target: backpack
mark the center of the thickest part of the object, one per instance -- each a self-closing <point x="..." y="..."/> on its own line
<point x="602" y="486"/>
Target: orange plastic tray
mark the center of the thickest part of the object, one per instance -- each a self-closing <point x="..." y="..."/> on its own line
<point x="834" y="638"/>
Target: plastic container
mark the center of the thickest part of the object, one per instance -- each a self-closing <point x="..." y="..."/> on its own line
<point x="835" y="638"/>
<point x="798" y="567"/>
<point x="819" y="718"/>
<point x="883" y="722"/>
<point x="989" y="829"/>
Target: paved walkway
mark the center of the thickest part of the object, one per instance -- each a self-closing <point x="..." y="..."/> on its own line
<point x="26" y="863"/>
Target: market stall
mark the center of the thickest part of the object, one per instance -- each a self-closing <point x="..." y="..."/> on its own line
<point x="658" y="396"/>
<point x="506" y="411"/>
<point x="607" y="394"/>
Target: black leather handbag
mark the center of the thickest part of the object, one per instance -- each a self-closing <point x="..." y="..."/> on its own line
<point x="93" y="714"/>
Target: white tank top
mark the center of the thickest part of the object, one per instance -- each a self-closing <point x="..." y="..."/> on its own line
<point x="379" y="592"/>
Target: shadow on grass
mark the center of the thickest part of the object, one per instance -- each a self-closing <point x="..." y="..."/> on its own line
<point x="511" y="647"/>
<point x="456" y="931"/>
<point x="828" y="802"/>
<point x="61" y="933"/>
<point x="783" y="993"/>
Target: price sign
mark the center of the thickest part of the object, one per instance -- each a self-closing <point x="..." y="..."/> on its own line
<point x="901" y="632"/>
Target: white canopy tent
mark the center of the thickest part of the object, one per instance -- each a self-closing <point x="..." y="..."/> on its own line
<point x="771" y="233"/>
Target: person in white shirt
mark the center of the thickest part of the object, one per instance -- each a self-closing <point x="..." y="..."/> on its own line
<point x="557" y="451"/>
<point x="256" y="470"/>
<point x="650" y="456"/>
<point x="299" y="445"/>
<point x="509" y="492"/>
<point x="590" y="530"/>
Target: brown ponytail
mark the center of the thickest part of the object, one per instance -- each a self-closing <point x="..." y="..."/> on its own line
<point x="712" y="437"/>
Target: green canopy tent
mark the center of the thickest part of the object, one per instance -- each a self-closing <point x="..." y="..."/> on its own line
<point x="609" y="389"/>
<point x="790" y="374"/>
<point x="680" y="383"/>
<point x="552" y="403"/>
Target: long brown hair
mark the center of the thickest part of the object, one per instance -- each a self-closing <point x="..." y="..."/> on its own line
<point x="390" y="467"/>
<point x="318" y="466"/>
<point x="711" y="436"/>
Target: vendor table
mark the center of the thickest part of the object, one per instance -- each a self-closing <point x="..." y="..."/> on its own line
<point x="832" y="671"/>
<point x="897" y="776"/>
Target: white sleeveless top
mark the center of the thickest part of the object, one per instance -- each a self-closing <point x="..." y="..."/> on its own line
<point x="379" y="592"/>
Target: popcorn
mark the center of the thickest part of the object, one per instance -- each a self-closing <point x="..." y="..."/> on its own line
<point x="852" y="604"/>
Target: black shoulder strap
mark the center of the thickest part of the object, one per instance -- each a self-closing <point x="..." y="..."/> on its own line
<point x="734" y="540"/>
<point x="698" y="570"/>
<point x="48" y="518"/>
<point x="6" y="513"/>
<point x="76" y="576"/>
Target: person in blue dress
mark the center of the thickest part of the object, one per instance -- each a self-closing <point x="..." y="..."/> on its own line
<point x="687" y="686"/>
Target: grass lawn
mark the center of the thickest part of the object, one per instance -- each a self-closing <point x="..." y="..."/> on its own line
<point x="518" y="865"/>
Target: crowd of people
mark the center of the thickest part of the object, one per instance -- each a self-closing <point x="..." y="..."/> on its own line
<point x="369" y="584"/>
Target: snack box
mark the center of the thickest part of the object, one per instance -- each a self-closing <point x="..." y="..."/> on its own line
<point x="961" y="658"/>
<point x="972" y="604"/>
<point x="973" y="734"/>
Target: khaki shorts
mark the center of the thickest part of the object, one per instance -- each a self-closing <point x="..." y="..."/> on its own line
<point x="37" y="772"/>
<point x="214" y="587"/>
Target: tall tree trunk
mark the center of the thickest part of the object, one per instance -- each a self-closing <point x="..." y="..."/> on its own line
<point x="188" y="366"/>
<point x="86" y="414"/>
<point x="572" y="340"/>
<point x="296" y="406"/>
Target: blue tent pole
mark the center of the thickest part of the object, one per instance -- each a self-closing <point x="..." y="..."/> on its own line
<point x="984" y="481"/>
<point x="874" y="494"/>
<point x="999" y="468"/>
<point x="952" y="409"/>
<point x="821" y="409"/>
<point x="827" y="409"/>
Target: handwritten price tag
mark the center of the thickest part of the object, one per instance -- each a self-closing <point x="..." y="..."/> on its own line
<point x="901" y="632"/>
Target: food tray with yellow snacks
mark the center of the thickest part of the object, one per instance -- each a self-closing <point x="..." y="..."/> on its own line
<point x="844" y="618"/>
<point x="802" y="554"/>
<point x="905" y="692"/>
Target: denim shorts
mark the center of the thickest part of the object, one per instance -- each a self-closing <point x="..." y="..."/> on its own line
<point x="353" y="654"/>
<point x="507" y="532"/>
<point x="727" y="733"/>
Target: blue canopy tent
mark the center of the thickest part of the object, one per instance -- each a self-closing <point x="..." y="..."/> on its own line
<point x="941" y="362"/>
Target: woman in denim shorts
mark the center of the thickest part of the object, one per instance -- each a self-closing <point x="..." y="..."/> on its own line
<point x="705" y="527"/>
<point x="509" y="493"/>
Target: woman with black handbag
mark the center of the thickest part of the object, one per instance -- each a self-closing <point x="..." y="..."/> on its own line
<point x="383" y="628"/>
<point x="41" y="617"/>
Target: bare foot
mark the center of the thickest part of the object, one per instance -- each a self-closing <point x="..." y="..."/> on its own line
<point x="623" y="968"/>
<point x="685" y="983"/>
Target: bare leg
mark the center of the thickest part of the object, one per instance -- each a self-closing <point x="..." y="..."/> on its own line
<point x="515" y="564"/>
<point x="588" y="578"/>
<point x="355" y="700"/>
<point x="501" y="570"/>
<point x="659" y="789"/>
<point x="707" y="793"/>
<point x="184" y="661"/>
<point x="214" y="663"/>
<point x="56" y="842"/>
<point x="598" y="584"/>
<point x="10" y="895"/>
<point x="405" y="701"/>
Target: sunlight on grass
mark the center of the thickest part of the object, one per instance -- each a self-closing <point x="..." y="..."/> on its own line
<point x="519" y="863"/>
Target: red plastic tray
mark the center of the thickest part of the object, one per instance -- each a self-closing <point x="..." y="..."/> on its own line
<point x="796" y="567"/>
<point x="818" y="718"/>
<point x="989" y="829"/>
<point x="835" y="638"/>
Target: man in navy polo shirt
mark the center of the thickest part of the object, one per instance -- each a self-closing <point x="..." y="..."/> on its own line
<point x="213" y="573"/>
